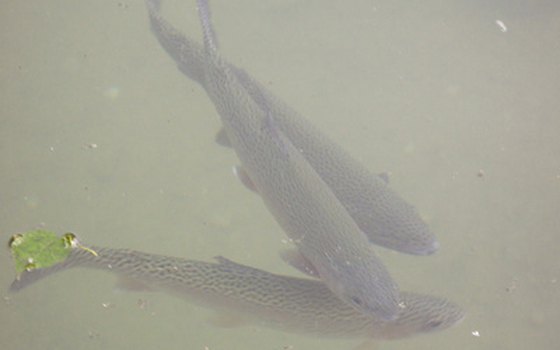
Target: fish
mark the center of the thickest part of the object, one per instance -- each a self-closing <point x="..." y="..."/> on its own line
<point x="285" y="303"/>
<point x="380" y="212"/>
<point x="296" y="196"/>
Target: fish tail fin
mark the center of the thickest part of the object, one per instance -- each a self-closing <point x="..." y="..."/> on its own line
<point x="153" y="5"/>
<point x="27" y="278"/>
<point x="187" y="54"/>
<point x="210" y="40"/>
<point x="78" y="257"/>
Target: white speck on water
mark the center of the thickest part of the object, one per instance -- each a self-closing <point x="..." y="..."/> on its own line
<point x="502" y="26"/>
<point x="112" y="92"/>
<point x="476" y="333"/>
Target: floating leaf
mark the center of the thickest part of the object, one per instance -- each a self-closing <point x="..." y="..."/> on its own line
<point x="39" y="249"/>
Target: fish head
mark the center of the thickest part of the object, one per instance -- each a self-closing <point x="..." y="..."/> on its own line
<point x="401" y="228"/>
<point x="371" y="293"/>
<point x="418" y="314"/>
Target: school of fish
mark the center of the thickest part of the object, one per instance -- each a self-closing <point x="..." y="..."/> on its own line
<point x="331" y="207"/>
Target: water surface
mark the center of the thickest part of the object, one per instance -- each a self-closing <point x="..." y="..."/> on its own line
<point x="102" y="136"/>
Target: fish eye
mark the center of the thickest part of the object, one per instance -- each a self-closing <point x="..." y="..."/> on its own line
<point x="356" y="300"/>
<point x="434" y="324"/>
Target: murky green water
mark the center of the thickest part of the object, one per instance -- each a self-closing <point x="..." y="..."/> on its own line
<point x="102" y="136"/>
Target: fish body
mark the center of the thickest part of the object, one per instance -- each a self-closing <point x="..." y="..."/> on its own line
<point x="286" y="303"/>
<point x="381" y="213"/>
<point x="300" y="201"/>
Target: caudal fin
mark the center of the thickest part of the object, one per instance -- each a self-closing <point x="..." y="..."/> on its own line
<point x="77" y="257"/>
<point x="27" y="278"/>
<point x="210" y="41"/>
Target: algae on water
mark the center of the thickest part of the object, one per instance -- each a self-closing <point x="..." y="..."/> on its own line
<point x="40" y="249"/>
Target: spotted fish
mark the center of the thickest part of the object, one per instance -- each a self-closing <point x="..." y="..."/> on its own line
<point x="291" y="304"/>
<point x="300" y="201"/>
<point x="381" y="213"/>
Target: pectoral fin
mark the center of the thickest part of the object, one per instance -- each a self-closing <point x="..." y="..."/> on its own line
<point x="222" y="138"/>
<point x="298" y="261"/>
<point x="242" y="175"/>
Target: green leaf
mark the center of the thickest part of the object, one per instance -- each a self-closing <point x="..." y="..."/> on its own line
<point x="39" y="249"/>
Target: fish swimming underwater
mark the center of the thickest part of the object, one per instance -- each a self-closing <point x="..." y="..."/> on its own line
<point x="291" y="304"/>
<point x="386" y="218"/>
<point x="300" y="201"/>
